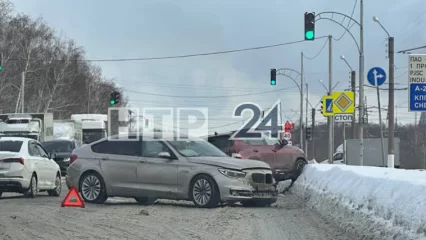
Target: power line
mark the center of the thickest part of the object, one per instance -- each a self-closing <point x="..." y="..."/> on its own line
<point x="320" y="51"/>
<point x="348" y="28"/>
<point x="223" y="96"/>
<point x="172" y="57"/>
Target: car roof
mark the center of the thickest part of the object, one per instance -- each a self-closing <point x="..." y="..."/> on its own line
<point x="221" y="134"/>
<point x="23" y="139"/>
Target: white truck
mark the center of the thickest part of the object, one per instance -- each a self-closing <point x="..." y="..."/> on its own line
<point x="38" y="126"/>
<point x="94" y="126"/>
<point x="372" y="153"/>
<point x="68" y="129"/>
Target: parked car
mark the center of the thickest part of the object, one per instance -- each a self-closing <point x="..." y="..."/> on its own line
<point x="148" y="169"/>
<point x="287" y="162"/>
<point x="62" y="148"/>
<point x="26" y="167"/>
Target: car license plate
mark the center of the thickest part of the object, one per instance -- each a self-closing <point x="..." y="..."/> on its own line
<point x="262" y="195"/>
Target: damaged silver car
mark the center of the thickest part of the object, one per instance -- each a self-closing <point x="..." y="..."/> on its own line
<point x="147" y="169"/>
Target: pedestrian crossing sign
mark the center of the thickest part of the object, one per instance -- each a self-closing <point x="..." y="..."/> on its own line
<point x="327" y="106"/>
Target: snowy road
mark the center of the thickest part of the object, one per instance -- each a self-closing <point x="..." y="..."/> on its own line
<point x="43" y="218"/>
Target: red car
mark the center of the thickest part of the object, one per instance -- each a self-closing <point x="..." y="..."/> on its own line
<point x="286" y="161"/>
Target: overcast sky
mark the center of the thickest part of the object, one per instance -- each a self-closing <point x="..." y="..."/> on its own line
<point x="152" y="28"/>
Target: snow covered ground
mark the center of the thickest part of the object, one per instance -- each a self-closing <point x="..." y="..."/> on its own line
<point x="377" y="203"/>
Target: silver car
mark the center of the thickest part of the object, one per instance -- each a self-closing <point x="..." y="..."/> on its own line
<point x="151" y="169"/>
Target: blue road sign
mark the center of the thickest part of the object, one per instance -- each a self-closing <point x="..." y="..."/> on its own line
<point x="329" y="105"/>
<point x="418" y="97"/>
<point x="376" y="76"/>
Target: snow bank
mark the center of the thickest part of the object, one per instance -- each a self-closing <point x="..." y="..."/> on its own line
<point x="376" y="203"/>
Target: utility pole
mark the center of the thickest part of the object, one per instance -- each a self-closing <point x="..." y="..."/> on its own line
<point x="313" y="133"/>
<point x="361" y="83"/>
<point x="353" y="89"/>
<point x="23" y="92"/>
<point x="330" y="120"/>
<point x="391" y="128"/>
<point x="302" y="83"/>
<point x="306" y="119"/>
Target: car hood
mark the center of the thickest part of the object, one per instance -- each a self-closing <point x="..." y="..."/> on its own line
<point x="229" y="162"/>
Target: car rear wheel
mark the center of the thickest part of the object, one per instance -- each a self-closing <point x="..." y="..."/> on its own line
<point x="33" y="189"/>
<point x="204" y="192"/>
<point x="58" y="187"/>
<point x="92" y="188"/>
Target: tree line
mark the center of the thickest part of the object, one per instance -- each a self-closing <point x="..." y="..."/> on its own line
<point x="58" y="77"/>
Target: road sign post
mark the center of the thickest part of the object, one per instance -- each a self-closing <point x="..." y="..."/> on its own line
<point x="417" y="82"/>
<point x="377" y="77"/>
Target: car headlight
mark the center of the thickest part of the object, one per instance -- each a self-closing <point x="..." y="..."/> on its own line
<point x="232" y="173"/>
<point x="66" y="159"/>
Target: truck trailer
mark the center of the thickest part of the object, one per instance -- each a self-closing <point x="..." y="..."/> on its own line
<point x="38" y="126"/>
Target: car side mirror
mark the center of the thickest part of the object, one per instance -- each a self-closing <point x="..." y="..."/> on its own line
<point x="51" y="155"/>
<point x="164" y="155"/>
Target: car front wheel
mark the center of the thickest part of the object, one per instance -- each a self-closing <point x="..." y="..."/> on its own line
<point x="92" y="188"/>
<point x="204" y="192"/>
<point x="58" y="187"/>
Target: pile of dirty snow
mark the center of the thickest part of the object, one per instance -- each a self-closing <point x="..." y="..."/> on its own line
<point x="373" y="202"/>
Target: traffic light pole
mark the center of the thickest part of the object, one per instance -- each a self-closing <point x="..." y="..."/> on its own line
<point x="313" y="133"/>
<point x="302" y="83"/>
<point x="330" y="120"/>
<point x="353" y="88"/>
<point x="306" y="119"/>
<point x="391" y="128"/>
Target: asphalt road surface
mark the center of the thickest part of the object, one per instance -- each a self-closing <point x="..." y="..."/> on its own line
<point x="43" y="218"/>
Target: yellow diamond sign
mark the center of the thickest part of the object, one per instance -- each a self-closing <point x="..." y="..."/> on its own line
<point x="343" y="102"/>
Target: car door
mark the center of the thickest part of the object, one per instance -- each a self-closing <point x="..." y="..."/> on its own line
<point x="158" y="176"/>
<point x="119" y="160"/>
<point x="49" y="166"/>
<point x="39" y="164"/>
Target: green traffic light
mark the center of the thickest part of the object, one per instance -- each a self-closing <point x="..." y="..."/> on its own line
<point x="1" y="68"/>
<point x="112" y="102"/>
<point x="309" y="35"/>
<point x="273" y="82"/>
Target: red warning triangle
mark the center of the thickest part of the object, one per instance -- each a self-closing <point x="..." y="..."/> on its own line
<point x="73" y="199"/>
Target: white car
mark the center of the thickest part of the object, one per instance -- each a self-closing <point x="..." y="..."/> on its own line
<point x="25" y="167"/>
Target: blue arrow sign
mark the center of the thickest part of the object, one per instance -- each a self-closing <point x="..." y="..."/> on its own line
<point x="376" y="76"/>
<point x="329" y="105"/>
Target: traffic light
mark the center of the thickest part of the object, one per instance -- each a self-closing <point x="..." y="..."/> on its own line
<point x="1" y="61"/>
<point x="310" y="26"/>
<point x="322" y="107"/>
<point x="273" y="76"/>
<point x="308" y="133"/>
<point x="115" y="98"/>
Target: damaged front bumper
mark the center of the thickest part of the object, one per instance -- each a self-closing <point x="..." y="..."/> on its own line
<point x="241" y="189"/>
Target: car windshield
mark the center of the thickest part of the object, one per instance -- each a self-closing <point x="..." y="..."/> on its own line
<point x="196" y="148"/>
<point x="10" y="146"/>
<point x="90" y="136"/>
<point x="58" y="146"/>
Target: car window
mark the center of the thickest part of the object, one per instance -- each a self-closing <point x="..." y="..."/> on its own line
<point x="10" y="146"/>
<point x="118" y="147"/>
<point x="43" y="153"/>
<point x="58" y="146"/>
<point x="221" y="142"/>
<point x="153" y="148"/>
<point x="254" y="142"/>
<point x="32" y="150"/>
<point x="197" y="148"/>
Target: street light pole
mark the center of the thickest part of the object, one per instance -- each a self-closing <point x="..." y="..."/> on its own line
<point x="302" y="83"/>
<point x="391" y="103"/>
<point x="352" y="87"/>
<point x="361" y="82"/>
